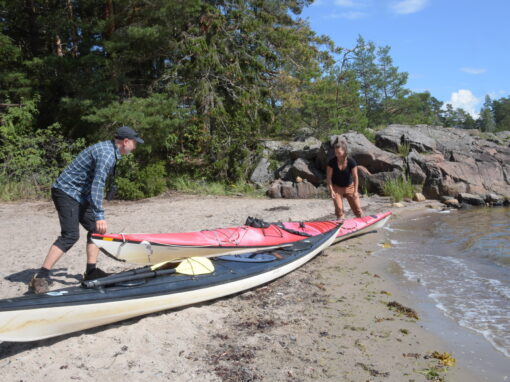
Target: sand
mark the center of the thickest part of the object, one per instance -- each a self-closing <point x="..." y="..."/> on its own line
<point x="327" y="321"/>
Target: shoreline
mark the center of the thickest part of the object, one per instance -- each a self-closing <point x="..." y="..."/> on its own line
<point x="473" y="351"/>
<point x="328" y="320"/>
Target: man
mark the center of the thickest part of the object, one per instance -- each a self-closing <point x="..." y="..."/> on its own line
<point x="78" y="197"/>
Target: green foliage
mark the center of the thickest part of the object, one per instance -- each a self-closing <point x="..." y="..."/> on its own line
<point x="486" y="122"/>
<point x="201" y="80"/>
<point x="136" y="183"/>
<point x="203" y="187"/>
<point x="501" y="109"/>
<point x="31" y="159"/>
<point x="404" y="149"/>
<point x="398" y="188"/>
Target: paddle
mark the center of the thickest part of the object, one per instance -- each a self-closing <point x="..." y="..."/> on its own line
<point x="192" y="266"/>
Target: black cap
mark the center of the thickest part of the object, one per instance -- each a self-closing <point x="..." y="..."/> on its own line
<point x="127" y="132"/>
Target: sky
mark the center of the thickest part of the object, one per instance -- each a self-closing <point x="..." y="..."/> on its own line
<point x="458" y="50"/>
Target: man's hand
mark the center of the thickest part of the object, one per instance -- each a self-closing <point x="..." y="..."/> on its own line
<point x="101" y="226"/>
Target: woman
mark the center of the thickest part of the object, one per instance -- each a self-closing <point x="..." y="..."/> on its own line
<point x="342" y="177"/>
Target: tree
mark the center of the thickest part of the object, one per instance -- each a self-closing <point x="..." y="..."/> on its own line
<point x="486" y="120"/>
<point x="380" y="81"/>
<point x="501" y="110"/>
<point x="416" y="108"/>
<point x="460" y="118"/>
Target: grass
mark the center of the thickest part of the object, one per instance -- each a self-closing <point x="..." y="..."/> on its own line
<point x="398" y="189"/>
<point x="12" y="190"/>
<point x="404" y="149"/>
<point x="203" y="187"/>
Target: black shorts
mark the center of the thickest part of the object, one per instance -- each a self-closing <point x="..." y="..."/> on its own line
<point x="71" y="214"/>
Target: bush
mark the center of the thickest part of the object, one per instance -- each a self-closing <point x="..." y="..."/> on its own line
<point x="30" y="159"/>
<point x="135" y="183"/>
<point x="398" y="189"/>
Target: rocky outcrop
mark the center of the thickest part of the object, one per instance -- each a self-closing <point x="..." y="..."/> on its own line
<point x="453" y="161"/>
<point x="445" y="162"/>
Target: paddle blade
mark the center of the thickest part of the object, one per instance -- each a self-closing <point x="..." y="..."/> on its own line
<point x="195" y="266"/>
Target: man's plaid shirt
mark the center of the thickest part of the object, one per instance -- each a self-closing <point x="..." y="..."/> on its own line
<point x="85" y="177"/>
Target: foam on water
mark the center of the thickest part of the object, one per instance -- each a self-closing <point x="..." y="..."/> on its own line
<point x="459" y="268"/>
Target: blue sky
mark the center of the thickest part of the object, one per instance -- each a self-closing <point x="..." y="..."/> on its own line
<point x="458" y="50"/>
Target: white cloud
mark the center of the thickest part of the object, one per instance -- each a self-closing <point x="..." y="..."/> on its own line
<point x="347" y="15"/>
<point x="466" y="100"/>
<point x="473" y="70"/>
<point x="405" y="7"/>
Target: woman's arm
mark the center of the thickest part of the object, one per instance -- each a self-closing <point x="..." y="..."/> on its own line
<point x="329" y="176"/>
<point x="355" y="178"/>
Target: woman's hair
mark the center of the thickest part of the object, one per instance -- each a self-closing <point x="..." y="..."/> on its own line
<point x="340" y="143"/>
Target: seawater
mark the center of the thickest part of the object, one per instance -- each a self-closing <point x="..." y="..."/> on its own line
<point x="462" y="260"/>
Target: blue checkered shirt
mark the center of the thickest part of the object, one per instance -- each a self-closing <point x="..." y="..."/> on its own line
<point x="85" y="177"/>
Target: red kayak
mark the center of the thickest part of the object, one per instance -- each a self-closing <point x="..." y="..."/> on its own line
<point x="145" y="248"/>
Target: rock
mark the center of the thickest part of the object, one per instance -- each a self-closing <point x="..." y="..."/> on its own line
<point x="445" y="161"/>
<point x="419" y="197"/>
<point x="367" y="154"/>
<point x="416" y="165"/>
<point x="394" y="136"/>
<point x="453" y="160"/>
<point x="288" y="190"/>
<point x="287" y="151"/>
<point x="283" y="172"/>
<point x="374" y="183"/>
<point x="471" y="199"/>
<point x="299" y="179"/>
<point x="262" y="175"/>
<point x="494" y="200"/>
<point x="303" y="169"/>
<point x="398" y="205"/>
<point x="452" y="203"/>
<point x="306" y="190"/>
<point x="275" y="190"/>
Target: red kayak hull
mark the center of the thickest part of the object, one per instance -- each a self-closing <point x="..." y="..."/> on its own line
<point x="143" y="248"/>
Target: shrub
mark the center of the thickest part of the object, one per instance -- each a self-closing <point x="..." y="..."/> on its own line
<point x="135" y="183"/>
<point x="398" y="188"/>
<point x="30" y="159"/>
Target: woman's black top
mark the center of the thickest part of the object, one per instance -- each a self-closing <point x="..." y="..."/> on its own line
<point x="342" y="178"/>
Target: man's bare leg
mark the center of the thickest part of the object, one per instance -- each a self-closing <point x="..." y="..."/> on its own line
<point x="54" y="254"/>
<point x="92" y="253"/>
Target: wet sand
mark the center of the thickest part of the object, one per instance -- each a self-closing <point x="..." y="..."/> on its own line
<point x="341" y="317"/>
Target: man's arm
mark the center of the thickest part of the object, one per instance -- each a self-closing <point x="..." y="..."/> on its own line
<point x="104" y="164"/>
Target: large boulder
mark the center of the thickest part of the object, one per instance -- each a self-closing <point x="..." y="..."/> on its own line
<point x="286" y="151"/>
<point x="304" y="169"/>
<point x="394" y="136"/>
<point x="364" y="152"/>
<point x="306" y="190"/>
<point x="262" y="175"/>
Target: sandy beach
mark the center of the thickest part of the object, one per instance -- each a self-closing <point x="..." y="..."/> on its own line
<point x="341" y="317"/>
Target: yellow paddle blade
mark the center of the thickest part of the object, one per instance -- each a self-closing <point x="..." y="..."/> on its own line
<point x="195" y="266"/>
<point x="160" y="265"/>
